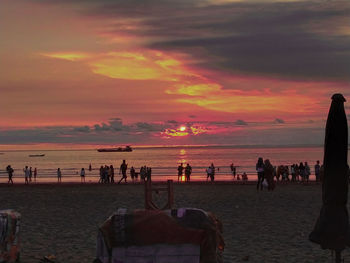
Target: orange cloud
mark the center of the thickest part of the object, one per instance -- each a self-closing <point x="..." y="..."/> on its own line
<point x="212" y="96"/>
<point x="195" y="90"/>
<point x="130" y="65"/>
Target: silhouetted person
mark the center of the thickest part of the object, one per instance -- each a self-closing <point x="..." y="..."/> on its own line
<point x="209" y="172"/>
<point x="260" y="171"/>
<point x="101" y="180"/>
<point x="233" y="170"/>
<point x="180" y="169"/>
<point x="10" y="173"/>
<point x="35" y="174"/>
<point x="123" y="168"/>
<point x="307" y="171"/>
<point x="143" y="172"/>
<point x="82" y="175"/>
<point x="302" y="171"/>
<point x="111" y="170"/>
<point x="317" y="171"/>
<point x="90" y="168"/>
<point x="268" y="175"/>
<point x="26" y="175"/>
<point x="106" y="174"/>
<point x="244" y="177"/>
<point x="149" y="173"/>
<point x="132" y="173"/>
<point x="59" y="175"/>
<point x="188" y="171"/>
<point x="30" y="174"/>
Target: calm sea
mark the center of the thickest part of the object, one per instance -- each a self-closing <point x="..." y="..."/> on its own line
<point x="163" y="160"/>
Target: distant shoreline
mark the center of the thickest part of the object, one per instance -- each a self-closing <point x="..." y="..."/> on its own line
<point x="141" y="147"/>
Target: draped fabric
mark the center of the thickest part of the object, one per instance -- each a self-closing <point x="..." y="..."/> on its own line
<point x="9" y="235"/>
<point x="183" y="228"/>
<point x="332" y="227"/>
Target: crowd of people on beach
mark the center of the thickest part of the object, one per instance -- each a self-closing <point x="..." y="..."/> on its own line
<point x="299" y="173"/>
<point x="107" y="173"/>
<point x="268" y="175"/>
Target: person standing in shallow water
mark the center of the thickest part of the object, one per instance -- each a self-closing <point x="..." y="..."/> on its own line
<point x="59" y="175"/>
<point x="233" y="170"/>
<point x="180" y="169"/>
<point x="260" y="170"/>
<point x="10" y="173"/>
<point x="82" y="175"/>
<point x="188" y="171"/>
<point x="35" y="174"/>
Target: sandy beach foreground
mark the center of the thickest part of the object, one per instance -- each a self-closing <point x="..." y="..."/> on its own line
<point x="258" y="226"/>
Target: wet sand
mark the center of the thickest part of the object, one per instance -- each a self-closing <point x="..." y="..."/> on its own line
<point x="259" y="226"/>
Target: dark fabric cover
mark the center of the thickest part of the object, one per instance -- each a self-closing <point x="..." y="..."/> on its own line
<point x="332" y="227"/>
<point x="148" y="227"/>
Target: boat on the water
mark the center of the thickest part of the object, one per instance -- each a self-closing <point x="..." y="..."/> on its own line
<point x="36" y="155"/>
<point x="117" y="149"/>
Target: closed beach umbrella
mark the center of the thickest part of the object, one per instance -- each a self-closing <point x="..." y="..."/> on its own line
<point x="332" y="227"/>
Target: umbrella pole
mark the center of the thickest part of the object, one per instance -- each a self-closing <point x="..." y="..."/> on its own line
<point x="337" y="256"/>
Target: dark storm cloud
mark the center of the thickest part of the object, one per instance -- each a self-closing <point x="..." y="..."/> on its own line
<point x="112" y="131"/>
<point x="173" y="122"/>
<point x="85" y="129"/>
<point x="114" y="125"/>
<point x="298" y="40"/>
<point x="149" y="127"/>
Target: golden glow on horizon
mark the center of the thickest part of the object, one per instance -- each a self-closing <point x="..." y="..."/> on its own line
<point x="168" y="133"/>
<point x="182" y="131"/>
<point x="67" y="56"/>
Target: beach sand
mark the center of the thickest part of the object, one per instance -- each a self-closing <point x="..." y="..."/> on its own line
<point x="265" y="226"/>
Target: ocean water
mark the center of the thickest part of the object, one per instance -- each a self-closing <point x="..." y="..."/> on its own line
<point x="163" y="160"/>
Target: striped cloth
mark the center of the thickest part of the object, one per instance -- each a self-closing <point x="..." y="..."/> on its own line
<point x="9" y="235"/>
<point x="185" y="235"/>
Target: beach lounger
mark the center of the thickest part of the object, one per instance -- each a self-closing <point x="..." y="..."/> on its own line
<point x="9" y="236"/>
<point x="184" y="235"/>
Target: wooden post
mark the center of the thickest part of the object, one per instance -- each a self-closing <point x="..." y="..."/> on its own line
<point x="170" y="194"/>
<point x="148" y="195"/>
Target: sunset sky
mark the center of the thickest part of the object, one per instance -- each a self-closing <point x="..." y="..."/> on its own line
<point x="116" y="72"/>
